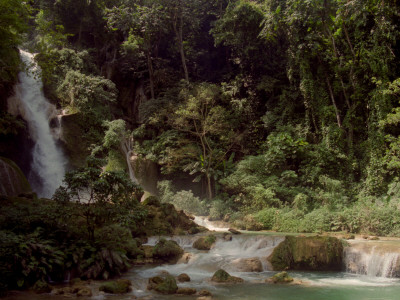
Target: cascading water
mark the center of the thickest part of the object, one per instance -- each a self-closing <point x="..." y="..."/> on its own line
<point x="48" y="165"/>
<point x="373" y="259"/>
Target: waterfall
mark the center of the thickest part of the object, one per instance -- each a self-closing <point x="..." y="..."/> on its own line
<point x="48" y="165"/>
<point x="373" y="259"/>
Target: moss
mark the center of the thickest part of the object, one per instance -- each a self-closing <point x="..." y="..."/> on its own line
<point x="152" y="200"/>
<point x="204" y="243"/>
<point x="72" y="134"/>
<point x="167" y="250"/>
<point x="221" y="276"/>
<point x="308" y="253"/>
<point x="282" y="277"/>
<point x="115" y="162"/>
<point x="167" y="286"/>
<point x="120" y="286"/>
<point x="41" y="287"/>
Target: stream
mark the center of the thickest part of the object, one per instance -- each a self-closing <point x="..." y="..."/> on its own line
<point x="366" y="274"/>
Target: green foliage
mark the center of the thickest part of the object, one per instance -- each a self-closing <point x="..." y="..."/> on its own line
<point x="13" y="20"/>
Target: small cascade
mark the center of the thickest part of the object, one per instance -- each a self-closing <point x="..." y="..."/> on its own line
<point x="48" y="165"/>
<point x="373" y="259"/>
<point x="211" y="225"/>
<point x="239" y="255"/>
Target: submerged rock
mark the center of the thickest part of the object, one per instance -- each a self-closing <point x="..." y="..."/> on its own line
<point x="221" y="276"/>
<point x="315" y="253"/>
<point x="183" y="277"/>
<point x="186" y="291"/>
<point x="120" y="286"/>
<point x="282" y="277"/>
<point x="248" y="264"/>
<point x="41" y="287"/>
<point x="205" y="293"/>
<point x="205" y="242"/>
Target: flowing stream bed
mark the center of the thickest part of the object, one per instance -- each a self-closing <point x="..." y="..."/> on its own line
<point x="366" y="273"/>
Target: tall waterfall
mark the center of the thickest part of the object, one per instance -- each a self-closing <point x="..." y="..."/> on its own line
<point x="48" y="165"/>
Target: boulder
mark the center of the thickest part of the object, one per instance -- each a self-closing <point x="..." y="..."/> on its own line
<point x="248" y="264"/>
<point x="205" y="242"/>
<point x="167" y="250"/>
<point x="120" y="286"/>
<point x="183" y="277"/>
<point x="84" y="292"/>
<point x="41" y="287"/>
<point x="315" y="253"/>
<point x="221" y="276"/>
<point x="205" y="293"/>
<point x="227" y="236"/>
<point x="234" y="231"/>
<point x="186" y="291"/>
<point x="163" y="284"/>
<point x="282" y="277"/>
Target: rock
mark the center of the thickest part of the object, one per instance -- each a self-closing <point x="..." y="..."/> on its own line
<point x="204" y="298"/>
<point x="152" y="200"/>
<point x="318" y="253"/>
<point x="234" y="231"/>
<point x="282" y="277"/>
<point x="62" y="291"/>
<point x="185" y="258"/>
<point x="186" y="291"/>
<point x="183" y="277"/>
<point x="41" y="287"/>
<point x="163" y="284"/>
<point x="167" y="250"/>
<point x="221" y="276"/>
<point x="205" y="293"/>
<point x="248" y="264"/>
<point x="373" y="238"/>
<point x="349" y="236"/>
<point x="227" y="237"/>
<point x="205" y="242"/>
<point x="84" y="292"/>
<point x="120" y="286"/>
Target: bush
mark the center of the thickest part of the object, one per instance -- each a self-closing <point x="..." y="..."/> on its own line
<point x="266" y="217"/>
<point x="218" y="209"/>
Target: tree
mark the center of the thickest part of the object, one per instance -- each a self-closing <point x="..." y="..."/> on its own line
<point x="105" y="196"/>
<point x="201" y="117"/>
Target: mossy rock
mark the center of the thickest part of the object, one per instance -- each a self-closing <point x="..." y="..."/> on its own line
<point x="204" y="243"/>
<point x="12" y="180"/>
<point x="282" y="277"/>
<point x="186" y="291"/>
<point x="164" y="284"/>
<point x="183" y="277"/>
<point x="221" y="276"/>
<point x="317" y="253"/>
<point x="152" y="200"/>
<point x="120" y="286"/>
<point x="72" y="134"/>
<point x="167" y="250"/>
<point x="41" y="287"/>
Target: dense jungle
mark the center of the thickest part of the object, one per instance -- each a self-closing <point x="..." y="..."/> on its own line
<point x="278" y="115"/>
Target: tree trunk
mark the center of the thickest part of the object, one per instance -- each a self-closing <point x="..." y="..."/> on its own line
<point x="339" y="122"/>
<point x="179" y="37"/>
<point x="151" y="74"/>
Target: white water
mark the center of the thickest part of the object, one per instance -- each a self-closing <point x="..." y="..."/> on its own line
<point x="373" y="259"/>
<point x="211" y="225"/>
<point x="48" y="165"/>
